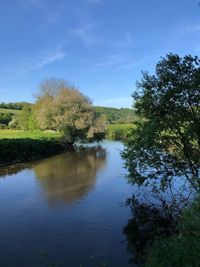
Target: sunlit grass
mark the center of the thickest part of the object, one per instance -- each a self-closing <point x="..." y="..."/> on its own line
<point x="13" y="111"/>
<point x="19" y="134"/>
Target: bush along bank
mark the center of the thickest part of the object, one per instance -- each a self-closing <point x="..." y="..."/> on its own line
<point x="181" y="248"/>
<point x="26" y="149"/>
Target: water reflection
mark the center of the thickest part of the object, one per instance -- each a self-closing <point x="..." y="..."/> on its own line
<point x="70" y="176"/>
<point x="14" y="169"/>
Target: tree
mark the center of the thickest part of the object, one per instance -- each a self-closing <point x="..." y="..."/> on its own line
<point x="27" y="120"/>
<point x="166" y="142"/>
<point x="61" y="107"/>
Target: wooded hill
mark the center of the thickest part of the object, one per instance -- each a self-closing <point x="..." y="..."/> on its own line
<point x="113" y="115"/>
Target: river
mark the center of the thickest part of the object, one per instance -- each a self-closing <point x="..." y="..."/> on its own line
<point x="68" y="208"/>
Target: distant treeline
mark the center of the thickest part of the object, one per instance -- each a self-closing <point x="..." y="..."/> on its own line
<point x="15" y="105"/>
<point x="114" y="115"/>
<point x="10" y="118"/>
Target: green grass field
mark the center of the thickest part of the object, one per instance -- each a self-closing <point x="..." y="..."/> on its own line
<point x="19" y="134"/>
<point x="114" y="132"/>
<point x="13" y="111"/>
<point x="120" y="126"/>
<point x="118" y="131"/>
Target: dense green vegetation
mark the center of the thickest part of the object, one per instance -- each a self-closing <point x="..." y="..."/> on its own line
<point x="167" y="136"/>
<point x="118" y="116"/>
<point x="162" y="153"/>
<point x="112" y="115"/>
<point x="183" y="247"/>
<point x="60" y="108"/>
<point x="6" y="116"/>
<point x="60" y="117"/>
<point x="19" y="146"/>
<point x="118" y="131"/>
<point x="13" y="106"/>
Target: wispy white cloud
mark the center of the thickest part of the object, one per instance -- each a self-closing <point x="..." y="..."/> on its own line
<point x="85" y="34"/>
<point x="50" y="58"/>
<point x="41" y="60"/>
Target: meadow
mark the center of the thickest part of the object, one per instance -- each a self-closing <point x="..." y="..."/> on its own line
<point x="118" y="131"/>
<point x="114" y="132"/>
<point x="10" y="111"/>
<point x="20" y="134"/>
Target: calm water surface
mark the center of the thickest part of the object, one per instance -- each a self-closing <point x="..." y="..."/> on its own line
<point x="70" y="206"/>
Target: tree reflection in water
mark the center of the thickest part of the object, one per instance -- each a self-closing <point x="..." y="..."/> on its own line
<point x="70" y="176"/>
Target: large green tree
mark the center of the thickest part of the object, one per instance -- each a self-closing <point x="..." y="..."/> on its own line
<point x="166" y="142"/>
<point x="60" y="106"/>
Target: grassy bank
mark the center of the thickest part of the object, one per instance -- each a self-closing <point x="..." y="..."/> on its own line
<point x="19" y="134"/>
<point x="118" y="131"/>
<point x="10" y="111"/>
<point x="18" y="146"/>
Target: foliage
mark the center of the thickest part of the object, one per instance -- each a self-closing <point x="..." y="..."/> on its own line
<point x="15" y="122"/>
<point x="118" y="131"/>
<point x="62" y="107"/>
<point x="3" y="126"/>
<point x="23" y="150"/>
<point x="181" y="249"/>
<point x="19" y="146"/>
<point x="5" y="118"/>
<point x="166" y="142"/>
<point x="27" y="120"/>
<point x="9" y="118"/>
<point x="13" y="106"/>
<point x="114" y="115"/>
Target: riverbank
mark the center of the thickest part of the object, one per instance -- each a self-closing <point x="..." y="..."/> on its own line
<point x="20" y="147"/>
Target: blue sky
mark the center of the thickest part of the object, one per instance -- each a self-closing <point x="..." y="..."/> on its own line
<point x="99" y="45"/>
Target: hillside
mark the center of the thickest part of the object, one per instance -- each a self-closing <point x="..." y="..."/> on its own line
<point x="114" y="115"/>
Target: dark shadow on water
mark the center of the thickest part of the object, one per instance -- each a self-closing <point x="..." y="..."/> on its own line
<point x="147" y="223"/>
<point x="66" y="177"/>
